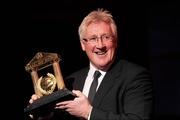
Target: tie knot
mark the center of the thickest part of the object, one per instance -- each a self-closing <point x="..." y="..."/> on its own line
<point x="97" y="74"/>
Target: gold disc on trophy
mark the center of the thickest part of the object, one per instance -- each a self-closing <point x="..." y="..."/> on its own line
<point x="47" y="84"/>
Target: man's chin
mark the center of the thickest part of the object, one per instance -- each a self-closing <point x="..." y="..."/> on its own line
<point x="104" y="67"/>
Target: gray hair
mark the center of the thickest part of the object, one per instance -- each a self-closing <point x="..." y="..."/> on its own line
<point x="95" y="16"/>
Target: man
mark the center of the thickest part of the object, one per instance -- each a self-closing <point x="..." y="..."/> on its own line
<point x="124" y="90"/>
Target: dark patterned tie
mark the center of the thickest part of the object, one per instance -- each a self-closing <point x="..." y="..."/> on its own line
<point x="92" y="90"/>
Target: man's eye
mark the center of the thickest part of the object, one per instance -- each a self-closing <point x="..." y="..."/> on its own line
<point x="92" y="39"/>
<point x="106" y="37"/>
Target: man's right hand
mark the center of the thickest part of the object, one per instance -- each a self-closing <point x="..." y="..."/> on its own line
<point x="33" y="98"/>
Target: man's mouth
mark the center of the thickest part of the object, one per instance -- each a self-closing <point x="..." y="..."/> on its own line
<point x="101" y="52"/>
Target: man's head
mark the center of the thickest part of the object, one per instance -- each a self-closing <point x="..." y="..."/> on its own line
<point x="98" y="38"/>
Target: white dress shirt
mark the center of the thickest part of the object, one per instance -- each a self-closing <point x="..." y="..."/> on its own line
<point x="89" y="79"/>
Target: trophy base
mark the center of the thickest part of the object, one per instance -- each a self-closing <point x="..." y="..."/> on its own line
<point x="47" y="103"/>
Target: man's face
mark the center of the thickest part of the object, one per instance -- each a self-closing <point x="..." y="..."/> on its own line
<point x="99" y="44"/>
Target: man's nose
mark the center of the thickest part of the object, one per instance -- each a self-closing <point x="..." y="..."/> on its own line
<point x="100" y="42"/>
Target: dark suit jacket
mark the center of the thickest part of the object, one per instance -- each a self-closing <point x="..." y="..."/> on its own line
<point x="124" y="94"/>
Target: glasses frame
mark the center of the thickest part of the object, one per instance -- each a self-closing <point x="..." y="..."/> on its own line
<point x="94" y="39"/>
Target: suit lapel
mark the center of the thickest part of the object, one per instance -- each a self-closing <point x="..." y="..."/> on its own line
<point x="80" y="79"/>
<point x="107" y="83"/>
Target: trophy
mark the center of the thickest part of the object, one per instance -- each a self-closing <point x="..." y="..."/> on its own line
<point x="48" y="83"/>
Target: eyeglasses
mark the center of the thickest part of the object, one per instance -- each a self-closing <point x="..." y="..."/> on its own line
<point x="94" y="39"/>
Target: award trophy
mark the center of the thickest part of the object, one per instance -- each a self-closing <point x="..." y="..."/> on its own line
<point x="49" y="86"/>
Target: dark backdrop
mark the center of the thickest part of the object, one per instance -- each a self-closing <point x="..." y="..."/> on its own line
<point x="148" y="33"/>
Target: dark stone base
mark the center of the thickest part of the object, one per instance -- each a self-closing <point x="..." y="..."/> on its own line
<point x="47" y="103"/>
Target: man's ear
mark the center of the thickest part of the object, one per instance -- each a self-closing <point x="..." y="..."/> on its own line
<point x="82" y="45"/>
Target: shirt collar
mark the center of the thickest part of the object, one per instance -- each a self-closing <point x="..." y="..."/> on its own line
<point x="93" y="69"/>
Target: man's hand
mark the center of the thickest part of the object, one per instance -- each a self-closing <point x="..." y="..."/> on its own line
<point x="33" y="98"/>
<point x="79" y="107"/>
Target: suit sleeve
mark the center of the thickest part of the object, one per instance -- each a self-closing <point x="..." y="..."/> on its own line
<point x="137" y="99"/>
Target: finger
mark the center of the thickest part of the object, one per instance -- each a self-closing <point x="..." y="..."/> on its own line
<point x="31" y="101"/>
<point x="31" y="116"/>
<point x="77" y="92"/>
<point x="34" y="97"/>
<point x="61" y="107"/>
<point x="63" y="103"/>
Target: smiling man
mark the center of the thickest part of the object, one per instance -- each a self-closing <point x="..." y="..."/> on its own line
<point x="123" y="89"/>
